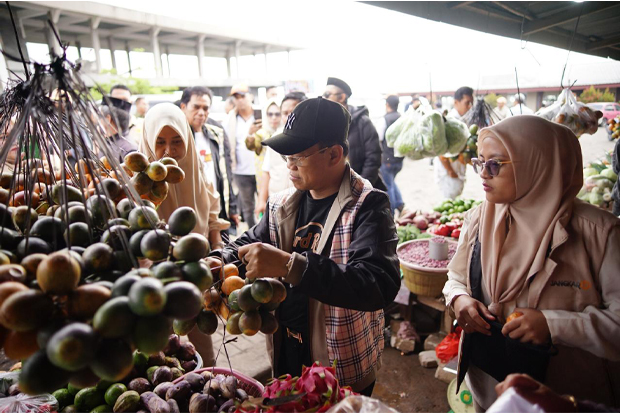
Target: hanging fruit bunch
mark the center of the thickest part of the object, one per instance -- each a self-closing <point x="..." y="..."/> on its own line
<point x="151" y="179"/>
<point x="480" y="116"/>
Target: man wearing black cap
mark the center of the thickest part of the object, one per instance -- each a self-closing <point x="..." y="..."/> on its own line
<point x="332" y="241"/>
<point x="365" y="156"/>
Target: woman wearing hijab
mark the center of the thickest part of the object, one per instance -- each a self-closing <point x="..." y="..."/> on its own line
<point x="167" y="133"/>
<point x="534" y="249"/>
<point x="270" y="123"/>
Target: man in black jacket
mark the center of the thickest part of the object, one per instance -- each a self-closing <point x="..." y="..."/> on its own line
<point x="365" y="155"/>
<point x="390" y="164"/>
<point x="333" y="243"/>
<point x="210" y="138"/>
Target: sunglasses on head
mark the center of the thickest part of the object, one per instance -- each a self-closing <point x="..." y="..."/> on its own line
<point x="492" y="166"/>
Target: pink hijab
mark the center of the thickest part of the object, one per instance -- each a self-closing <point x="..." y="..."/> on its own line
<point x="515" y="237"/>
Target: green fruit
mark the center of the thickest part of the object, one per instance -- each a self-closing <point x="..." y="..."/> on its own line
<point x="101" y="209"/>
<point x="118" y="221"/>
<point x="10" y="238"/>
<point x="182" y="221"/>
<point x="102" y="408"/>
<point x="150" y="372"/>
<point x="78" y="234"/>
<point x="143" y="218"/>
<point x="232" y="324"/>
<point x="183" y="300"/>
<point x="24" y="217"/>
<point x="98" y="257"/>
<point x="269" y="324"/>
<point x="123" y="284"/>
<point x="113" y="393"/>
<point x="103" y="385"/>
<point x="117" y="236"/>
<point x="113" y="361"/>
<point x="147" y="297"/>
<point x="73" y="389"/>
<point x="124" y="207"/>
<point x="261" y="290"/>
<point x="250" y="322"/>
<point x="58" y="194"/>
<point x="609" y="174"/>
<point x="110" y="187"/>
<point x="140" y="361"/>
<point x="114" y="318"/>
<point x="192" y="247"/>
<point x="233" y="301"/>
<point x="39" y="375"/>
<point x="72" y="347"/>
<point x="166" y="270"/>
<point x="183" y="327"/>
<point x="207" y="322"/>
<point x="79" y="213"/>
<point x="127" y="402"/>
<point x="134" y="243"/>
<point x="199" y="274"/>
<point x="88" y="399"/>
<point x="64" y="397"/>
<point x="155" y="245"/>
<point x="245" y="300"/>
<point x="151" y="333"/>
<point x="473" y="129"/>
<point x="32" y="245"/>
<point x="26" y="310"/>
<point x="69" y="409"/>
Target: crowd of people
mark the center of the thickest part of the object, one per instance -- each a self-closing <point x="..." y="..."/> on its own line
<point x="313" y="179"/>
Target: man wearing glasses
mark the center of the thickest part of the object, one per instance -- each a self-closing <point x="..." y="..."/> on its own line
<point x="365" y="155"/>
<point x="332" y="241"/>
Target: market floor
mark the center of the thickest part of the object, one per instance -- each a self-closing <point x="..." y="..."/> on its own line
<point x="406" y="386"/>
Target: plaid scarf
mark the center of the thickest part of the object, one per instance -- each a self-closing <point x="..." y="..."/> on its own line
<point x="354" y="338"/>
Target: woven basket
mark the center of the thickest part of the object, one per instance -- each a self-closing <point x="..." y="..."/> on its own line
<point x="252" y="387"/>
<point x="422" y="280"/>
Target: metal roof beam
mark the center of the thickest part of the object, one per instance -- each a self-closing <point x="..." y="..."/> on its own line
<point x="458" y="4"/>
<point x="566" y="16"/>
<point x="612" y="41"/>
<point x="514" y="10"/>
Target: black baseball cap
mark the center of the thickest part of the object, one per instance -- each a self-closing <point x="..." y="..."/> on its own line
<point x="312" y="121"/>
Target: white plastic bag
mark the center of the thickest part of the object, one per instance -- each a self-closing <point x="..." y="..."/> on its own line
<point x="575" y="115"/>
<point x="510" y="401"/>
<point x="23" y="403"/>
<point x="361" y="404"/>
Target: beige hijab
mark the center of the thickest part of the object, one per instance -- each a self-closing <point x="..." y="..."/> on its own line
<point x="194" y="191"/>
<point x="515" y="238"/>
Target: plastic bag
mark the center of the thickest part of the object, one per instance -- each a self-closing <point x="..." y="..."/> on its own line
<point x="575" y="115"/>
<point x="511" y="401"/>
<point x="422" y="134"/>
<point x="457" y="134"/>
<point x="361" y="404"/>
<point x="449" y="346"/>
<point x="7" y="380"/>
<point x="23" y="403"/>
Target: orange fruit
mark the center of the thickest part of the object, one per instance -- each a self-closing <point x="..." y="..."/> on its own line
<point x="230" y="270"/>
<point x="223" y="310"/>
<point x="212" y="299"/>
<point x="232" y="283"/>
<point x="21" y="345"/>
<point x="514" y="316"/>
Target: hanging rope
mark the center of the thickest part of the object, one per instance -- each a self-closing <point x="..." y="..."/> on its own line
<point x="570" y="46"/>
<point x="518" y="92"/>
<point x="19" y="45"/>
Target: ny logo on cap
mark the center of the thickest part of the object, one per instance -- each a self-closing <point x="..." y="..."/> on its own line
<point x="289" y="121"/>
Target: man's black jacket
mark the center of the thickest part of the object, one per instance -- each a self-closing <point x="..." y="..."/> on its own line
<point x="371" y="278"/>
<point x="364" y="147"/>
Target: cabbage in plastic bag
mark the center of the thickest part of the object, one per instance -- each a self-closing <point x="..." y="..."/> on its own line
<point x="457" y="134"/>
<point x="433" y="133"/>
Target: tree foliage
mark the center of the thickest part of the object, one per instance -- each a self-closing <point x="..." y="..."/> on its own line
<point x="596" y="95"/>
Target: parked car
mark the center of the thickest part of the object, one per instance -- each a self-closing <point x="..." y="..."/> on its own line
<point x="610" y="110"/>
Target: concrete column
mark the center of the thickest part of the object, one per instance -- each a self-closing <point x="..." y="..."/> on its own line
<point x="111" y="47"/>
<point x="266" y="50"/>
<point x="168" y="61"/>
<point x="52" y="41"/>
<point x="200" y="52"/>
<point x="228" y="65"/>
<point x="288" y="65"/>
<point x="156" y="53"/>
<point x="94" y="26"/>
<point x="127" y="50"/>
<point x="78" y="46"/>
<point x="237" y="53"/>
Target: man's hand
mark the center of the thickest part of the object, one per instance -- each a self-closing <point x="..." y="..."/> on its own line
<point x="235" y="218"/>
<point x="260" y="208"/>
<point x="531" y="327"/>
<point x="535" y="393"/>
<point x="263" y="260"/>
<point x="255" y="127"/>
<point x="469" y="311"/>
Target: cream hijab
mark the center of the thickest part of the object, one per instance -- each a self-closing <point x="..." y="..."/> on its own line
<point x="194" y="191"/>
<point x="515" y="238"/>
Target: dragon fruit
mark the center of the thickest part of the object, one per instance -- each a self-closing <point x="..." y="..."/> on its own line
<point x="280" y="387"/>
<point x="320" y="385"/>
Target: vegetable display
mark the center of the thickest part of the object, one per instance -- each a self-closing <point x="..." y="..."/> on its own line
<point x="599" y="179"/>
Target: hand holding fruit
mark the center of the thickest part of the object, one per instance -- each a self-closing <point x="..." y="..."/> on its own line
<point x="469" y="312"/>
<point x="531" y="327"/>
<point x="263" y="260"/>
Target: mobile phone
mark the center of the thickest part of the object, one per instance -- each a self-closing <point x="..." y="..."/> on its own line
<point x="258" y="114"/>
